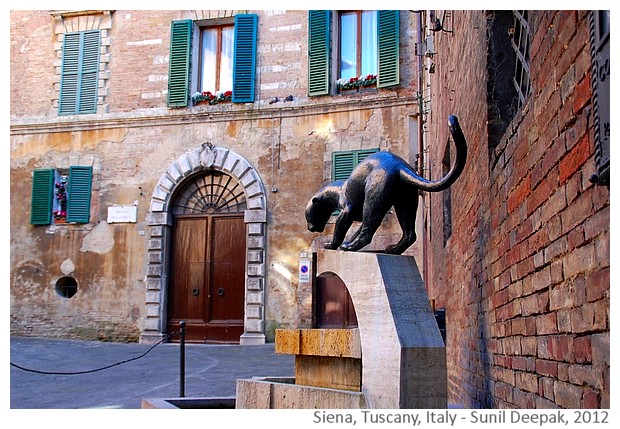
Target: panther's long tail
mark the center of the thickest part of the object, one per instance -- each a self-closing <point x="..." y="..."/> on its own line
<point x="461" y="156"/>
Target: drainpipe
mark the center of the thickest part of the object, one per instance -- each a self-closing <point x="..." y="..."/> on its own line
<point x="421" y="151"/>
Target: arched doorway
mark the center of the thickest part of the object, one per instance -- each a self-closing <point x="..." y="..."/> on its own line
<point x="333" y="305"/>
<point x="207" y="270"/>
<point x="182" y="177"/>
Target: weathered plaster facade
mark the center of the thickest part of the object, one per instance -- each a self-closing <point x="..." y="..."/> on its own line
<point x="141" y="151"/>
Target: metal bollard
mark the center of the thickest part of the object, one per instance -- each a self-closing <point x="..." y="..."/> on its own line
<point x="182" y="360"/>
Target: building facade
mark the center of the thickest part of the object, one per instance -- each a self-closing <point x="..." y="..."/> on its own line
<point x="161" y="162"/>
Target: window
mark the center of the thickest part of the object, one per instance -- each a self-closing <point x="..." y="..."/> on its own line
<point x="214" y="192"/>
<point x="79" y="73"/>
<point x="344" y="162"/>
<point x="508" y="82"/>
<point x="368" y="44"/>
<point x="216" y="58"/>
<point x="61" y="196"/>
<point x="66" y="287"/>
<point x="521" y="46"/>
<point x="226" y="56"/>
<point x="358" y="43"/>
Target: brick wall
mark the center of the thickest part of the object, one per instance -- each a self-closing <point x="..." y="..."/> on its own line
<point x="526" y="290"/>
<point x="32" y="98"/>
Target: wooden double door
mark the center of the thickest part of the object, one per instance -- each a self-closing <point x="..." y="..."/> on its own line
<point x="207" y="278"/>
<point x="333" y="305"/>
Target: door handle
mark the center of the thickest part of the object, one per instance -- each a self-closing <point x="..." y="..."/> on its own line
<point x="220" y="291"/>
<point x="195" y="291"/>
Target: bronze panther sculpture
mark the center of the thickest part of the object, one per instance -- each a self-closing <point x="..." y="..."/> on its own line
<point x="377" y="183"/>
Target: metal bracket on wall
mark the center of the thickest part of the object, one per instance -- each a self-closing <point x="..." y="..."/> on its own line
<point x="439" y="24"/>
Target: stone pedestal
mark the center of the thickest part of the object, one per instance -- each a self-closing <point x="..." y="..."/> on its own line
<point x="403" y="353"/>
<point x="395" y="359"/>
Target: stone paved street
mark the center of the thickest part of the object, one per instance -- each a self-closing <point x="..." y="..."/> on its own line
<point x="211" y="371"/>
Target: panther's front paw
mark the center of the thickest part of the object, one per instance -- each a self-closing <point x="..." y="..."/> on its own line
<point x="346" y="247"/>
<point x="393" y="249"/>
<point x="330" y="246"/>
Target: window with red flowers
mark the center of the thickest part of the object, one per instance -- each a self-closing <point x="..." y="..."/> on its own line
<point x="363" y="45"/>
<point x="61" y="195"/>
<point x="358" y="43"/>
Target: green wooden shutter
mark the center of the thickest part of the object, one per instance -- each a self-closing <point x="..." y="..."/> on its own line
<point x="78" y="198"/>
<point x="91" y="42"/>
<point x="179" y="63"/>
<point x="244" y="63"/>
<point x="318" y="52"/>
<point x="389" y="41"/>
<point x="69" y="77"/>
<point x="79" y="73"/>
<point x="343" y="163"/>
<point x="362" y="154"/>
<point x="42" y="195"/>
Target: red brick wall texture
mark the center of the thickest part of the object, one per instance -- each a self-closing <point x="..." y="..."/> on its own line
<point x="526" y="288"/>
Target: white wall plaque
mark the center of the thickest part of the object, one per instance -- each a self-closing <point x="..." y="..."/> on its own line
<point x="120" y="214"/>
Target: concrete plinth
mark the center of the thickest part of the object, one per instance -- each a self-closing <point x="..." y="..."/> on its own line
<point x="271" y="393"/>
<point x="403" y="353"/>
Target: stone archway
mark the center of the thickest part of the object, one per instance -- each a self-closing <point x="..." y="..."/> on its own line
<point x="159" y="221"/>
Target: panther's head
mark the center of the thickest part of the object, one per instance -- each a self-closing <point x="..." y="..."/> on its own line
<point x="322" y="205"/>
<point x="317" y="214"/>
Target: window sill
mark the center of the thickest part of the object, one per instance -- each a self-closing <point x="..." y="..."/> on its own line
<point x="208" y="103"/>
<point x="364" y="89"/>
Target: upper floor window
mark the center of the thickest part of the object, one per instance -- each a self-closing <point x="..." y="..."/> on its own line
<point x="366" y="44"/>
<point x="225" y="59"/>
<point x="358" y="43"/>
<point x="216" y="58"/>
<point x="79" y="73"/>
